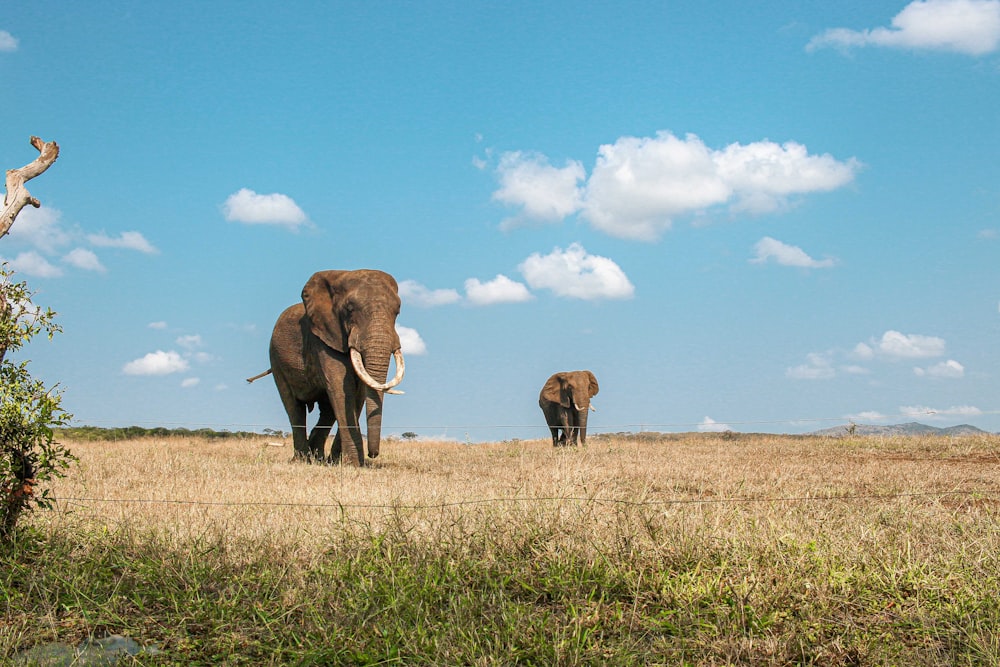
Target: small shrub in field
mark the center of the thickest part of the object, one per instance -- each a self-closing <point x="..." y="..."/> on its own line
<point x="29" y="454"/>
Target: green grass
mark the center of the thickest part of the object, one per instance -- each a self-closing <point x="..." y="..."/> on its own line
<point x="382" y="598"/>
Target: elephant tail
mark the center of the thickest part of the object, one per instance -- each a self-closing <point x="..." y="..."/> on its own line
<point x="259" y="376"/>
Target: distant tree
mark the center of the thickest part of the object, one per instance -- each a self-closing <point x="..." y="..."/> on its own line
<point x="409" y="435"/>
<point x="29" y="454"/>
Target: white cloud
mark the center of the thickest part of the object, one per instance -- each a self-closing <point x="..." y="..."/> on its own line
<point x="157" y="363"/>
<point x="190" y="342"/>
<point x="190" y="382"/>
<point x="128" y="240"/>
<point x="410" y="341"/>
<point x="916" y="411"/>
<point x="709" y="425"/>
<point x="764" y="174"/>
<point x="413" y="293"/>
<point x="945" y="369"/>
<point x="869" y="416"/>
<point x="863" y="351"/>
<point x="893" y="346"/>
<point x="971" y="27"/>
<point x="896" y="345"/>
<point x="544" y="192"/>
<point x="818" y="366"/>
<point x="499" y="290"/>
<point x="7" y="41"/>
<point x="40" y="228"/>
<point x="84" y="259"/>
<point x="272" y="209"/>
<point x="157" y="325"/>
<point x="640" y="184"/>
<point x="786" y="255"/>
<point x="30" y="263"/>
<point x="574" y="273"/>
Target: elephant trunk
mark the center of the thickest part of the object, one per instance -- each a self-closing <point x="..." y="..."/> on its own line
<point x="581" y="420"/>
<point x="372" y="366"/>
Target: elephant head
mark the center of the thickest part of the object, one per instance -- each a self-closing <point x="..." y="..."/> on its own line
<point x="354" y="313"/>
<point x="565" y="400"/>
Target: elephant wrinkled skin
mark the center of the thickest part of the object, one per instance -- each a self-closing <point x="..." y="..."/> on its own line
<point x="565" y="400"/>
<point x="333" y="350"/>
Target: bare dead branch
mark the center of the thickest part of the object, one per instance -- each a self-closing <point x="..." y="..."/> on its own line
<point x="17" y="195"/>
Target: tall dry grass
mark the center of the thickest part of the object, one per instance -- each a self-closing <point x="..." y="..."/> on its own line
<point x="856" y="493"/>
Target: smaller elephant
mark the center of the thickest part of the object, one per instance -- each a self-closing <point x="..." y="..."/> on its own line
<point x="565" y="400"/>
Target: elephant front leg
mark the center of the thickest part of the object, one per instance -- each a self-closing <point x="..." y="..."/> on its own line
<point x="348" y="439"/>
<point x="336" y="448"/>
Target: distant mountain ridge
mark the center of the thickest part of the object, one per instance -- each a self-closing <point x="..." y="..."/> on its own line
<point x="911" y="428"/>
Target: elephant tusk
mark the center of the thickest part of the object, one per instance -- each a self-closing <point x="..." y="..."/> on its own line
<point x="359" y="368"/>
<point x="395" y="391"/>
<point x="579" y="409"/>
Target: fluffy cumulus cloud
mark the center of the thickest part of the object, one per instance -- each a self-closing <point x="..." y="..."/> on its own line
<point x="709" y="425"/>
<point x="84" y="259"/>
<point x="769" y="249"/>
<point x="499" y="290"/>
<point x="639" y="185"/>
<point x="31" y="263"/>
<point x="7" y="41"/>
<point x="896" y="345"/>
<point x="410" y="341"/>
<point x="272" y="209"/>
<point x="971" y="27"/>
<point x="41" y="228"/>
<point x="157" y="363"/>
<point x="576" y="274"/>
<point x="543" y="192"/>
<point x="413" y="293"/>
<point x="893" y="346"/>
<point x="945" y="369"/>
<point x="190" y="382"/>
<point x="127" y="240"/>
<point x="818" y="366"/>
<point x="43" y="231"/>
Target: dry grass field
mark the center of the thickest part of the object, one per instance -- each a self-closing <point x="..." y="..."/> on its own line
<point x="683" y="549"/>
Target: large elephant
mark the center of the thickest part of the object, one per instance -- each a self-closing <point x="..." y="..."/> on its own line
<point x="565" y="400"/>
<point x="333" y="350"/>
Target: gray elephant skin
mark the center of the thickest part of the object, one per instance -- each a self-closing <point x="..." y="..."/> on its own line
<point x="333" y="350"/>
<point x="565" y="400"/>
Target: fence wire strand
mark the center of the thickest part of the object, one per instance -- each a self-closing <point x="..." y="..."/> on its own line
<point x="525" y="499"/>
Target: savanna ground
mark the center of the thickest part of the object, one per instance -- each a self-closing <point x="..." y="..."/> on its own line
<point x="700" y="549"/>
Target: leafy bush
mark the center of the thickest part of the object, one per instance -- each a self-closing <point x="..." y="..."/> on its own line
<point x="29" y="454"/>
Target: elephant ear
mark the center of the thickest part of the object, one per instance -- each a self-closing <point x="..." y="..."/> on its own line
<point x="322" y="298"/>
<point x="553" y="391"/>
<point x="594" y="388"/>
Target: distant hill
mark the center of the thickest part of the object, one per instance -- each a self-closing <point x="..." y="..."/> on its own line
<point x="912" y="428"/>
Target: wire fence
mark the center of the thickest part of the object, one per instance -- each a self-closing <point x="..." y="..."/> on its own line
<point x="533" y="499"/>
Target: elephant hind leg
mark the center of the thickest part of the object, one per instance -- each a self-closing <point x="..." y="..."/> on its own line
<point x="321" y="431"/>
<point x="297" y="420"/>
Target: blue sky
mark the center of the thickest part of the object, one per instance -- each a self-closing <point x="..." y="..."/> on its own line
<point x="766" y="218"/>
